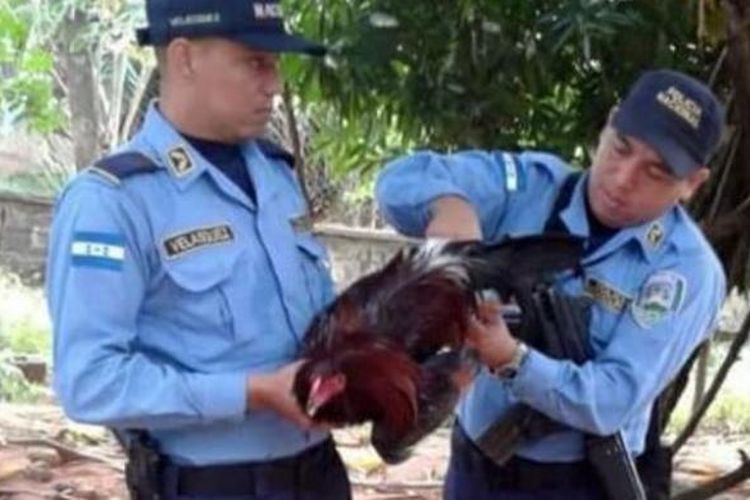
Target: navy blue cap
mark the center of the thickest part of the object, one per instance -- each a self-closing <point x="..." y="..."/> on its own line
<point x="675" y="114"/>
<point x="258" y="24"/>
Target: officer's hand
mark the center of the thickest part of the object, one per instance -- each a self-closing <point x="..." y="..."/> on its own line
<point x="489" y="335"/>
<point x="453" y="218"/>
<point x="273" y="391"/>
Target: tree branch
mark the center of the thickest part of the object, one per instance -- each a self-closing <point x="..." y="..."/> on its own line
<point x="719" y="484"/>
<point x="734" y="352"/>
<point x="299" y="161"/>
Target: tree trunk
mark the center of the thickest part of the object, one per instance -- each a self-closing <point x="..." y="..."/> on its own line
<point x="701" y="374"/>
<point x="731" y="357"/>
<point x="728" y="231"/>
<point x="725" y="222"/>
<point x="78" y="71"/>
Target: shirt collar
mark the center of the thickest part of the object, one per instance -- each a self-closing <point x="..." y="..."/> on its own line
<point x="185" y="164"/>
<point x="574" y="215"/>
<point x="652" y="237"/>
<point x="172" y="151"/>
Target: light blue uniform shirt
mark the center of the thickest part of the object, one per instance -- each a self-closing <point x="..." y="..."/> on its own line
<point x="657" y="290"/>
<point x="168" y="288"/>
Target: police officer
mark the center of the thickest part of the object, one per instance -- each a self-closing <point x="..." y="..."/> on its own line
<point x="655" y="283"/>
<point x="182" y="273"/>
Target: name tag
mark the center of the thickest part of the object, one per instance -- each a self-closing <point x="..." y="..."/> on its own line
<point x="188" y="241"/>
<point x="606" y="295"/>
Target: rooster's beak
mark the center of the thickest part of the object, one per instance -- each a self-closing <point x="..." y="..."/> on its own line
<point x="322" y="390"/>
<point x="313" y="403"/>
<point x="312" y="408"/>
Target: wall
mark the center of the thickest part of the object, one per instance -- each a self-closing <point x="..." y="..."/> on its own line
<point x="24" y="223"/>
<point x="355" y="252"/>
<point x="24" y="226"/>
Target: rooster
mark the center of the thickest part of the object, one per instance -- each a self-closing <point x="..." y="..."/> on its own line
<point x="390" y="349"/>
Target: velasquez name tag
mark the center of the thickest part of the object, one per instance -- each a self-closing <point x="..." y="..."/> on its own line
<point x="188" y="241"/>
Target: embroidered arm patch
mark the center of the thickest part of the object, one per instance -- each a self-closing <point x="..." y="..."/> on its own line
<point x="662" y="293"/>
<point x="514" y="174"/>
<point x="100" y="250"/>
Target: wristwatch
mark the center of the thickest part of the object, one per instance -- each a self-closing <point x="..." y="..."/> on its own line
<point x="509" y="370"/>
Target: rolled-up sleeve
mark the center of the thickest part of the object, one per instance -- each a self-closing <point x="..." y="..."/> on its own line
<point x="407" y="186"/>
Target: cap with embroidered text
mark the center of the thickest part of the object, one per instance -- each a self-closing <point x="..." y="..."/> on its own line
<point x="675" y="114"/>
<point x="258" y="24"/>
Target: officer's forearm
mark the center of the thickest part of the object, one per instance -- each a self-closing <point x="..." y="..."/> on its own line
<point x="274" y="391"/>
<point x="408" y="186"/>
<point x="454" y="218"/>
<point x="133" y="391"/>
<point x="595" y="397"/>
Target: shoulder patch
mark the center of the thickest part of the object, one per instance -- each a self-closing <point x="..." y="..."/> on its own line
<point x="663" y="293"/>
<point x="276" y="152"/>
<point x="180" y="161"/>
<point x="655" y="234"/>
<point x="122" y="165"/>
<point x="515" y="176"/>
<point x="99" y="250"/>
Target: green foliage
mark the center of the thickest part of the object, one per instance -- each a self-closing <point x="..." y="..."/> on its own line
<point x="730" y="413"/>
<point x="24" y="324"/>
<point x="32" y="37"/>
<point x="24" y="330"/>
<point x="27" y="83"/>
<point x="44" y="183"/>
<point x="487" y="73"/>
<point x="28" y="337"/>
<point x="13" y="385"/>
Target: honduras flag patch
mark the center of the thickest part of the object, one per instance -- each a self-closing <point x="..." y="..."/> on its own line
<point x="100" y="250"/>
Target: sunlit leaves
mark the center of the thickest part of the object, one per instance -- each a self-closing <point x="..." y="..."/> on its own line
<point x="26" y="87"/>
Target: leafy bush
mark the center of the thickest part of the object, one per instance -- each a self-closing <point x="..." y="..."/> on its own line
<point x="24" y="324"/>
<point x="13" y="386"/>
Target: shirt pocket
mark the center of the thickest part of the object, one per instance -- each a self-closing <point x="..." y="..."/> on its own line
<point x="316" y="270"/>
<point x="198" y="289"/>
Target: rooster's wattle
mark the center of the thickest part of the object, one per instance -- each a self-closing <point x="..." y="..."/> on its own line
<point x="390" y="349"/>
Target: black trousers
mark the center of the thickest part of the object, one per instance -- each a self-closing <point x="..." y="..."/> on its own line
<point x="315" y="474"/>
<point x="473" y="476"/>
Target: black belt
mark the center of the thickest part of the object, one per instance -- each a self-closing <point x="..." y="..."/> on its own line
<point x="256" y="478"/>
<point x="519" y="473"/>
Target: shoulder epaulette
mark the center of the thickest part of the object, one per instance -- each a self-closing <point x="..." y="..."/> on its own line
<point x="122" y="165"/>
<point x="276" y="152"/>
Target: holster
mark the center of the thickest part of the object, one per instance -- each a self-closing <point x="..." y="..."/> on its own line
<point x="144" y="466"/>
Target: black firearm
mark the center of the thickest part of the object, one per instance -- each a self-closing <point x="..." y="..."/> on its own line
<point x="559" y="326"/>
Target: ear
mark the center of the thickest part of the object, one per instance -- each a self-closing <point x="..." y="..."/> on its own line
<point x="180" y="56"/>
<point x="694" y="181"/>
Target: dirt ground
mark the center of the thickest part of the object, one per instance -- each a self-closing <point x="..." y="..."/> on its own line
<point x="45" y="456"/>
